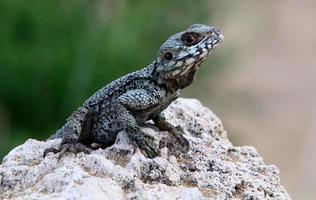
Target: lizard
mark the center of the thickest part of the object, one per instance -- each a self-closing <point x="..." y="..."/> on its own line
<point x="130" y="101"/>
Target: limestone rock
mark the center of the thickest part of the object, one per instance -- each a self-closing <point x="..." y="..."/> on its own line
<point x="212" y="168"/>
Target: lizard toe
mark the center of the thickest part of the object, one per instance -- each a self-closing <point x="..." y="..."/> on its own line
<point x="154" y="150"/>
<point x="183" y="142"/>
<point x="181" y="139"/>
<point x="73" y="148"/>
<point x="50" y="150"/>
<point x="67" y="147"/>
<point x="148" y="148"/>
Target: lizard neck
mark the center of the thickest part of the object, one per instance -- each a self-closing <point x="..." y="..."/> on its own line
<point x="173" y="84"/>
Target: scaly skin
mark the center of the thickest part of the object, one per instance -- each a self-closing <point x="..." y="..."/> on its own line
<point x="128" y="102"/>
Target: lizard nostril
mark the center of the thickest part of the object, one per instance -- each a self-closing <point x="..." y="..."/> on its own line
<point x="168" y="55"/>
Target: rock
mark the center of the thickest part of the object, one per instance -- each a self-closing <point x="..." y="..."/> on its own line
<point x="212" y="168"/>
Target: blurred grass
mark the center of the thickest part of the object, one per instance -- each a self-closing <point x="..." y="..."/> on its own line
<point x="55" y="54"/>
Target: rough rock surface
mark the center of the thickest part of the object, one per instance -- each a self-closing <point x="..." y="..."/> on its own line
<point x="212" y="169"/>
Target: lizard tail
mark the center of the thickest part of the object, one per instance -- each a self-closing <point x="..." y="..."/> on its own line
<point x="73" y="126"/>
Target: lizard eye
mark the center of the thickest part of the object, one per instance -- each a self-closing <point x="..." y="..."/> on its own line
<point x="190" y="38"/>
<point x="168" y="55"/>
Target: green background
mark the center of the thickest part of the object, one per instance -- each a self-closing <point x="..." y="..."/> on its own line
<point x="54" y="54"/>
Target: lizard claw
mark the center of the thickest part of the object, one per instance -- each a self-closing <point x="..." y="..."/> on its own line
<point x="144" y="142"/>
<point x="149" y="151"/>
<point x="148" y="147"/>
<point x="181" y="139"/>
<point x="177" y="132"/>
<point x="67" y="147"/>
<point x="49" y="150"/>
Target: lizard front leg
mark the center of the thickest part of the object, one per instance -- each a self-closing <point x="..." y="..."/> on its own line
<point x="129" y="104"/>
<point x="177" y="132"/>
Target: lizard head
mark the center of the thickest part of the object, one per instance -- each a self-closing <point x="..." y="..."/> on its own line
<point x="181" y="55"/>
